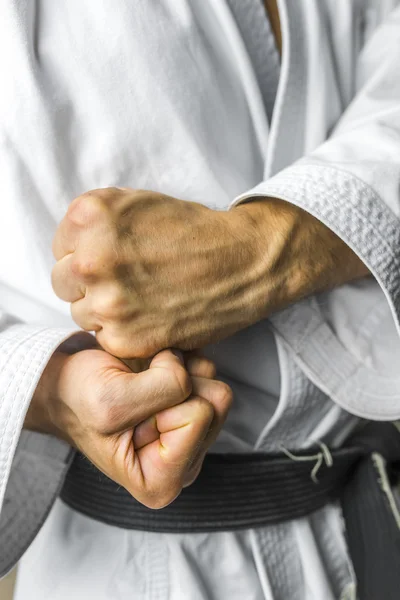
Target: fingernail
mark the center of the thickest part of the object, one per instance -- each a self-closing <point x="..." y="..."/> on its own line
<point x="179" y="355"/>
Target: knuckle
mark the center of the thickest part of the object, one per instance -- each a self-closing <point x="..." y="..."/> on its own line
<point x="117" y="346"/>
<point x="84" y="268"/>
<point x="209" y="368"/>
<point x="86" y="208"/>
<point x="225" y="394"/>
<point x="111" y="306"/>
<point x="83" y="317"/>
<point x="180" y="379"/>
<point x="204" y="410"/>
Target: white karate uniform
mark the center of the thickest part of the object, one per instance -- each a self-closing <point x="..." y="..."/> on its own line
<point x="164" y="96"/>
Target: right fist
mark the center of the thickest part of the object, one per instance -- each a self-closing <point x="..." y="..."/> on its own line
<point x="147" y="431"/>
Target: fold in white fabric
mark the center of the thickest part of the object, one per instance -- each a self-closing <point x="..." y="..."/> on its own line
<point x="165" y="97"/>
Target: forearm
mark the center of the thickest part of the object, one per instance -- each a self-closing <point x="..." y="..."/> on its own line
<point x="191" y="275"/>
<point x="297" y="254"/>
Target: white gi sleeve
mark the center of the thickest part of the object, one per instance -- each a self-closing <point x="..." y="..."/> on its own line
<point x="352" y="184"/>
<point x="31" y="465"/>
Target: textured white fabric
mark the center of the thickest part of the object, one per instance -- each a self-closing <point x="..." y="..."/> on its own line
<point x="66" y="130"/>
<point x="351" y="183"/>
<point x="26" y="496"/>
<point x="255" y="28"/>
<point x="164" y="97"/>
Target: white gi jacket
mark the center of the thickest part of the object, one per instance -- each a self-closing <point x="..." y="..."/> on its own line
<point x="163" y="96"/>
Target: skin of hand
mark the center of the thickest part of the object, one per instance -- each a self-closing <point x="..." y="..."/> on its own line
<point x="147" y="431"/>
<point x="147" y="271"/>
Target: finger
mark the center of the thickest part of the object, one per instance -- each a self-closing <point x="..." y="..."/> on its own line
<point x="216" y="392"/>
<point x="167" y="359"/>
<point x="65" y="239"/>
<point x="85" y="213"/>
<point x="83" y="315"/>
<point x="195" y="469"/>
<point x="162" y="465"/>
<point x="65" y="283"/>
<point x="199" y="366"/>
<point x="219" y="394"/>
<point x="145" y="433"/>
<point x="134" y="397"/>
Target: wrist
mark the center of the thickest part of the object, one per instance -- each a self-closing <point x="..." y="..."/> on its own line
<point x="296" y="253"/>
<point x="42" y="408"/>
<point x="280" y="247"/>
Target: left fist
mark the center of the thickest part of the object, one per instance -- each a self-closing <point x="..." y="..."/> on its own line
<point x="146" y="271"/>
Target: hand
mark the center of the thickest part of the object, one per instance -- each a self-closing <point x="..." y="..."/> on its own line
<point x="146" y="271"/>
<point x="149" y="432"/>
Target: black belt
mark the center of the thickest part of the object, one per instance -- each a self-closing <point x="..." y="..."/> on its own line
<point x="241" y="491"/>
<point x="233" y="491"/>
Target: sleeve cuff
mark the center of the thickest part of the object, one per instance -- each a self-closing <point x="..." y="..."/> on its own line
<point x="40" y="460"/>
<point x="354" y="211"/>
<point x="350" y="208"/>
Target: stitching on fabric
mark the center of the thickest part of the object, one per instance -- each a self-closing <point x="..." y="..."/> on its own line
<point x="343" y="377"/>
<point x="371" y="251"/>
<point x="333" y="210"/>
<point x="347" y="176"/>
<point x="19" y="345"/>
<point x="329" y="194"/>
<point x="365" y="191"/>
<point x="343" y="380"/>
<point x="17" y="415"/>
<point x="22" y="405"/>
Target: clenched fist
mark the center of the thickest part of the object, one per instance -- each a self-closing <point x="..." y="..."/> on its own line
<point x="147" y="271"/>
<point x="147" y="431"/>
